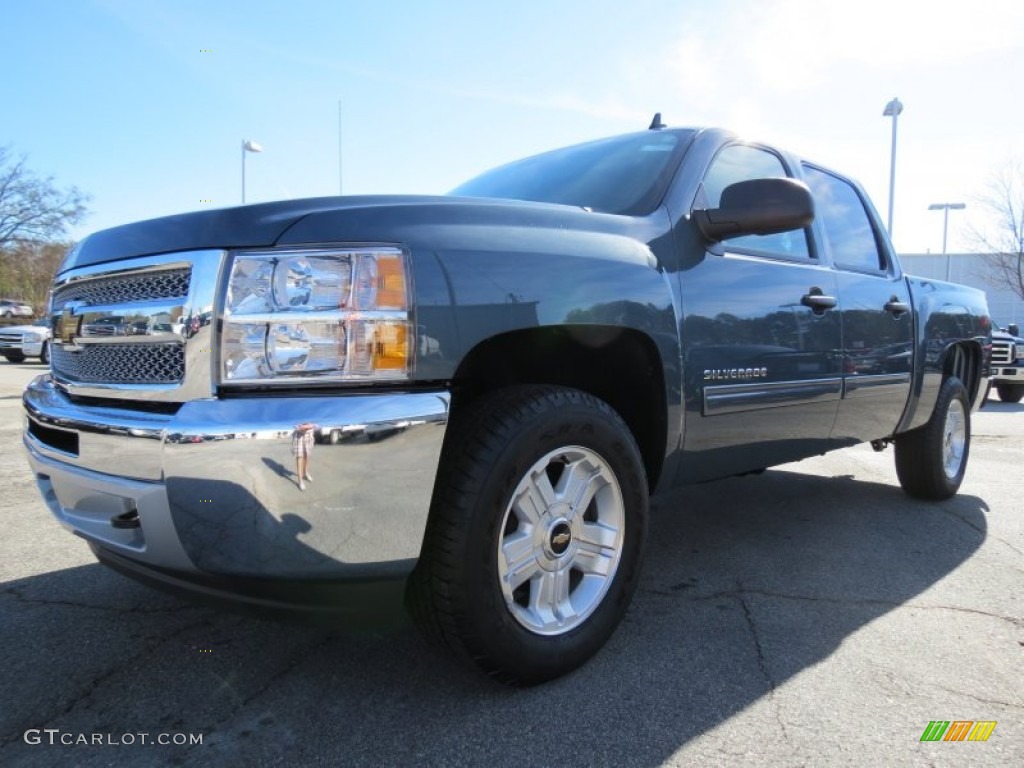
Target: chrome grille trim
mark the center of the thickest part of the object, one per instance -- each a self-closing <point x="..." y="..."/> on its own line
<point x="147" y="285"/>
<point x="139" y="329"/>
<point x="1002" y="352"/>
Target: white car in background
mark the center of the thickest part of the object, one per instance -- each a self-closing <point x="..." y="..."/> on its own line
<point x="20" y="341"/>
<point x="15" y="308"/>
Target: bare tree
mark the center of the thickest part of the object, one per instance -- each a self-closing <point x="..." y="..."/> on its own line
<point x="27" y="271"/>
<point x="1002" y="242"/>
<point x="32" y="208"/>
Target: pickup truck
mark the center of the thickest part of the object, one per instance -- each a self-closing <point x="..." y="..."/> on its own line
<point x="1007" y="371"/>
<point x="20" y="341"/>
<point x="534" y="354"/>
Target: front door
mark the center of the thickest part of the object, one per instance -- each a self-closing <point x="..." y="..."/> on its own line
<point x="761" y="335"/>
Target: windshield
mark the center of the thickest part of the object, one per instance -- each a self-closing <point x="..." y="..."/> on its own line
<point x="626" y="174"/>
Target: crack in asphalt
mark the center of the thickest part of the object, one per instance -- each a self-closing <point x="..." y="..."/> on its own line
<point x="136" y="609"/>
<point x="984" y="533"/>
<point x="762" y="661"/>
<point x="979" y="699"/>
<point x="151" y="644"/>
<point x="298" y="658"/>
<point x="738" y="594"/>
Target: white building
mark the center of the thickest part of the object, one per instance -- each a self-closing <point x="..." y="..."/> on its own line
<point x="969" y="269"/>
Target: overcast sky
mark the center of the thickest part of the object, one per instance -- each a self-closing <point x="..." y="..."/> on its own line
<point x="143" y="103"/>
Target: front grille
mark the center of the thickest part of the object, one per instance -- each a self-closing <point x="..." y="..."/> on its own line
<point x="10" y="338"/>
<point x="121" y="363"/>
<point x="144" y="286"/>
<point x="137" y="330"/>
<point x="1002" y="352"/>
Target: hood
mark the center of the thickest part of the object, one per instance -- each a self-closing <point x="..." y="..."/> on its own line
<point x="1004" y="336"/>
<point x="249" y="226"/>
<point x="371" y="218"/>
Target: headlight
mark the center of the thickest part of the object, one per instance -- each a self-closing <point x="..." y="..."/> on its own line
<point x="31" y="337"/>
<point x="318" y="314"/>
<point x="1019" y="351"/>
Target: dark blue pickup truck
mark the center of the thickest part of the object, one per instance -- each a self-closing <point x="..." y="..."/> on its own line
<point x="464" y="402"/>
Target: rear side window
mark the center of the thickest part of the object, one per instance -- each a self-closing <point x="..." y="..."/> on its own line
<point x="851" y="237"/>
<point x="741" y="162"/>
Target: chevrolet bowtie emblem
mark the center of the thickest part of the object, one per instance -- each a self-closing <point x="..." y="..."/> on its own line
<point x="70" y="326"/>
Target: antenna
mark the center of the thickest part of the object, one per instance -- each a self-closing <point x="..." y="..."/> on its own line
<point x="656" y="124"/>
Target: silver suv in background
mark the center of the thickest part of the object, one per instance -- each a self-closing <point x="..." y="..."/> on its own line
<point x="20" y="341"/>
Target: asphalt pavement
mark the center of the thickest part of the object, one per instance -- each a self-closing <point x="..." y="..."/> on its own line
<point x="812" y="615"/>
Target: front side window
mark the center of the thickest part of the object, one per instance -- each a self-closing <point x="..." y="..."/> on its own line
<point x="740" y="162"/>
<point x="848" y="229"/>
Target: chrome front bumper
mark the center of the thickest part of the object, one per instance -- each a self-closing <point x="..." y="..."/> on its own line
<point x="1007" y="373"/>
<point x="214" y="485"/>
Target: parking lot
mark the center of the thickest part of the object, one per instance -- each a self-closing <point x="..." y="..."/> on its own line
<point x="813" y="615"/>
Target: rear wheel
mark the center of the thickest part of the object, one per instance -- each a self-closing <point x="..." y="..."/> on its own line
<point x="536" y="534"/>
<point x="1009" y="392"/>
<point x="931" y="460"/>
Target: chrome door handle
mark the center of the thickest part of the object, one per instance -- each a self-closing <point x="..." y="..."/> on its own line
<point x="896" y="306"/>
<point x="818" y="301"/>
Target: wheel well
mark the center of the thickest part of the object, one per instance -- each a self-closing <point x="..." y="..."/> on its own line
<point x="964" y="361"/>
<point x="618" y="365"/>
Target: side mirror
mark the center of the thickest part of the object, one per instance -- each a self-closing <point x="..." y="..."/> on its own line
<point x="757" y="207"/>
<point x="1013" y="329"/>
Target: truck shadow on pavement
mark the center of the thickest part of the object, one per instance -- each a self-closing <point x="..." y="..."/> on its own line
<point x="747" y="583"/>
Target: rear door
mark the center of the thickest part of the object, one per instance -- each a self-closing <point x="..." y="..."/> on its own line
<point x="876" y="310"/>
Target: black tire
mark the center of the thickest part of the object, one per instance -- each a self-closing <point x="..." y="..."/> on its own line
<point x="931" y="460"/>
<point x="510" y="438"/>
<point x="1009" y="392"/>
<point x="44" y="354"/>
<point x="14" y="357"/>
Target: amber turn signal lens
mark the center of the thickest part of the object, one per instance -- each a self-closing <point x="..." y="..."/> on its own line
<point x="391" y="351"/>
<point x="391" y="288"/>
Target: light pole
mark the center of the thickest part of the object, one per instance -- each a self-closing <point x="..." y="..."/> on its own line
<point x="946" y="208"/>
<point x="893" y="110"/>
<point x="247" y="146"/>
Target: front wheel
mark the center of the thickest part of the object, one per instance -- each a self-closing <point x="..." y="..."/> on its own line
<point x="1010" y="392"/>
<point x="14" y="357"/>
<point x="44" y="355"/>
<point x="536" y="533"/>
<point x="931" y="460"/>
